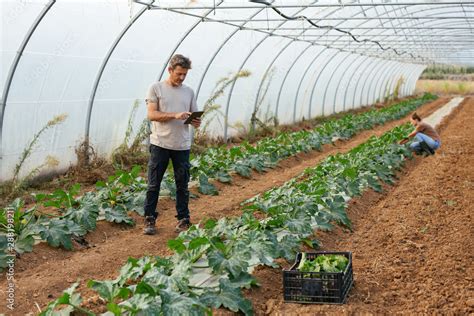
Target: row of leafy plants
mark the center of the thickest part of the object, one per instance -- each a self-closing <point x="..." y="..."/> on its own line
<point x="219" y="163"/>
<point x="65" y="215"/>
<point x="273" y="225"/>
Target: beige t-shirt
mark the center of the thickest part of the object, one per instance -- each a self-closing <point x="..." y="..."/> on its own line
<point x="173" y="134"/>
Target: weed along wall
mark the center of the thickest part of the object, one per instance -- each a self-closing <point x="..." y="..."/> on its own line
<point x="307" y="186"/>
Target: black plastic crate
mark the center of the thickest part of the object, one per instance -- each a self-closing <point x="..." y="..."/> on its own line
<point x="317" y="287"/>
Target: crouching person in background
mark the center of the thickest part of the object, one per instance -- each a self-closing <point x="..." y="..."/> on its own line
<point x="425" y="138"/>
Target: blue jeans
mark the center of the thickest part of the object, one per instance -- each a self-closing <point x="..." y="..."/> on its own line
<point x="157" y="166"/>
<point x="420" y="137"/>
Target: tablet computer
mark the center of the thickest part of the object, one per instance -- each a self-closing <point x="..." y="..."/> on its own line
<point x="193" y="116"/>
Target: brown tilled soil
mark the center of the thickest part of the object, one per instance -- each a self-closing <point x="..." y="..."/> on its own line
<point x="413" y="245"/>
<point x="43" y="274"/>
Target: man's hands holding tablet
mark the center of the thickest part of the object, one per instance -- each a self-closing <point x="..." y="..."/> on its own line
<point x="193" y="118"/>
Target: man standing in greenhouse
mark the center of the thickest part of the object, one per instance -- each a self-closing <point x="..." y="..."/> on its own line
<point x="426" y="139"/>
<point x="169" y="104"/>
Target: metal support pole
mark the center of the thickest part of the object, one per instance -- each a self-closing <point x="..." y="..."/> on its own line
<point x="308" y="67"/>
<point x="286" y="76"/>
<point x="317" y="80"/>
<point x="377" y="79"/>
<point x="211" y="60"/>
<point x="183" y="38"/>
<point x="368" y="70"/>
<point x="100" y="72"/>
<point x="232" y="86"/>
<point x="349" y="82"/>
<point x="14" y="65"/>
<point x="332" y="76"/>
<point x="370" y="81"/>
<point x="382" y="89"/>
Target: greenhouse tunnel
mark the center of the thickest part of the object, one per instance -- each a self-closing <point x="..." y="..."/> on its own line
<point x="288" y="61"/>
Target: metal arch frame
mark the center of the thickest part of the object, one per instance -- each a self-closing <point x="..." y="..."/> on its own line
<point x="411" y="81"/>
<point x="286" y="76"/>
<point x="297" y="94"/>
<point x="183" y="38"/>
<point x="416" y="77"/>
<point x="358" y="4"/>
<point x="379" y="85"/>
<point x="390" y="84"/>
<point x="256" y="99"/>
<point x="14" y="65"/>
<point x="407" y="74"/>
<point x="101" y="70"/>
<point x="302" y="79"/>
<point x="380" y="34"/>
<point x="396" y="76"/>
<point x="402" y="75"/>
<point x="274" y="60"/>
<point x="317" y="80"/>
<point x="357" y="56"/>
<point x="374" y="83"/>
<point x="408" y="71"/>
<point x="384" y="82"/>
<point x="421" y="23"/>
<point x="231" y="90"/>
<point x="369" y="68"/>
<point x="369" y="78"/>
<point x="211" y="60"/>
<point x="408" y="81"/>
<point x="376" y="77"/>
<point x="382" y="24"/>
<point x="362" y="23"/>
<point x="365" y="72"/>
<point x="399" y="8"/>
<point x="268" y="70"/>
<point x="350" y="80"/>
<point x="258" y="30"/>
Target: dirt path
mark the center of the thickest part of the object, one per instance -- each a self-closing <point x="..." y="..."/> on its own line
<point x="413" y="246"/>
<point x="46" y="272"/>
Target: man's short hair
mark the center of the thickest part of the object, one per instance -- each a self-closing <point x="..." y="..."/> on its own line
<point x="180" y="60"/>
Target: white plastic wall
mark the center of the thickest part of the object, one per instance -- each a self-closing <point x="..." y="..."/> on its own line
<point x="62" y="59"/>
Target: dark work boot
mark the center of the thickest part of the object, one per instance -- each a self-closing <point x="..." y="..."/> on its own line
<point x="150" y="228"/>
<point x="183" y="225"/>
<point x="427" y="149"/>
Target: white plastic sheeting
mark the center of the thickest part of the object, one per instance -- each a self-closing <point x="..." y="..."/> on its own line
<point x="297" y="70"/>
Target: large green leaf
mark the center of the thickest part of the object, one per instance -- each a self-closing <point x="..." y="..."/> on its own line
<point x="24" y="242"/>
<point x="118" y="215"/>
<point x="243" y="170"/>
<point x="144" y="304"/>
<point x="224" y="177"/>
<point x="229" y="297"/>
<point x="55" y="232"/>
<point x="234" y="264"/>
<point x="174" y="303"/>
<point x="85" y="216"/>
<point x="71" y="299"/>
<point x="205" y="187"/>
<point x="109" y="290"/>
